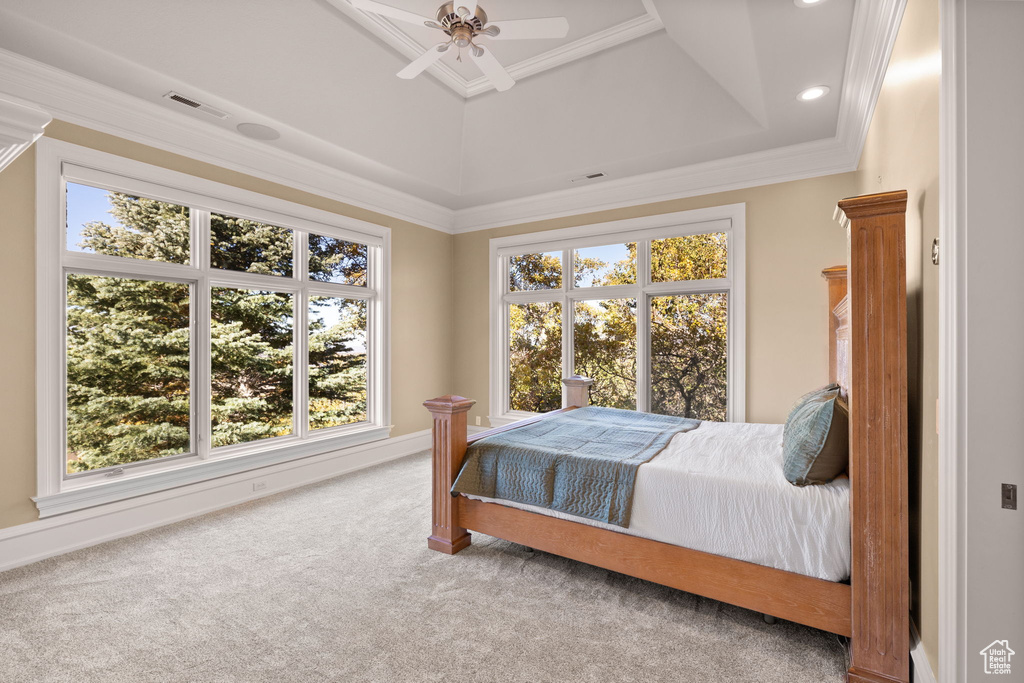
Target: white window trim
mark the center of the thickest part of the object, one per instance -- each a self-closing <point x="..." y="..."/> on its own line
<point x="730" y="219"/>
<point x="57" y="160"/>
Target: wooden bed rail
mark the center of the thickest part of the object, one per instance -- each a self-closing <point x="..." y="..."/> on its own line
<point x="450" y="441"/>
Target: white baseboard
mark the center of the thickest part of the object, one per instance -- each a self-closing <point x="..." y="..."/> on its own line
<point x="34" y="541"/>
<point x="922" y="669"/>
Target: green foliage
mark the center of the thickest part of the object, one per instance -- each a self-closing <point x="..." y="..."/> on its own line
<point x="688" y="355"/>
<point x="534" y="271"/>
<point x="694" y="257"/>
<point x="128" y="341"/>
<point x="535" y="357"/>
<point x="688" y="352"/>
<point x="337" y="376"/>
<point x="334" y="260"/>
<point x="127" y="370"/>
<point x="604" y="345"/>
<point x="250" y="246"/>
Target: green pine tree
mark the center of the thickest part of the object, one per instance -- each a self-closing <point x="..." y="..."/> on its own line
<point x="128" y="340"/>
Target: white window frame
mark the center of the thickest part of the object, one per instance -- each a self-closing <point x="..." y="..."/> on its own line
<point x="59" y="162"/>
<point x="730" y="219"/>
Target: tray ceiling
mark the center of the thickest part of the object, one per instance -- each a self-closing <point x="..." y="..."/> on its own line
<point x="638" y="87"/>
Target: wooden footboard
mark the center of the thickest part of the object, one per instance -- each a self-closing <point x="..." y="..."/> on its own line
<point x="803" y="599"/>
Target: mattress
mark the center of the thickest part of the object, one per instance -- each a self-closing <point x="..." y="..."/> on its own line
<point x="720" y="489"/>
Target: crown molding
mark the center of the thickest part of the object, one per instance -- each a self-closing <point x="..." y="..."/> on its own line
<point x="20" y="126"/>
<point x="795" y="162"/>
<point x="873" y="34"/>
<point x="393" y="35"/>
<point x="876" y="24"/>
<point x="86" y="103"/>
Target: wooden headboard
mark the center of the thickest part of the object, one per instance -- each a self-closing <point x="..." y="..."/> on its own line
<point x="838" y="328"/>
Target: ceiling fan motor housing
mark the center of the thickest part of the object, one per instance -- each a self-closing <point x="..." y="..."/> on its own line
<point x="451" y="21"/>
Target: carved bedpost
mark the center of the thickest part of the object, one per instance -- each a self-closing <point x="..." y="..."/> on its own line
<point x="836" y="277"/>
<point x="577" y="391"/>
<point x="449" y="449"/>
<point x="880" y="646"/>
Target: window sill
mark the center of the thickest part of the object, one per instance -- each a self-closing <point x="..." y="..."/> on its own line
<point x="509" y="418"/>
<point x="132" y="485"/>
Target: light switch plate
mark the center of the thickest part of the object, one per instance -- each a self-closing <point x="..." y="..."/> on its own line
<point x="1009" y="496"/>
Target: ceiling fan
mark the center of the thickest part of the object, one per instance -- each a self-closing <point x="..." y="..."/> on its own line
<point x="464" y="21"/>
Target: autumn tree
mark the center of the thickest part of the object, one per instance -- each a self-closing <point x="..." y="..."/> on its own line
<point x="688" y="339"/>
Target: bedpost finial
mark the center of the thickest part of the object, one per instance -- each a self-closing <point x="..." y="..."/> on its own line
<point x="577" y="391"/>
<point x="449" y="403"/>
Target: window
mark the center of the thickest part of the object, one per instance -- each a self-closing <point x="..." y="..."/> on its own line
<point x="200" y="329"/>
<point x="651" y="309"/>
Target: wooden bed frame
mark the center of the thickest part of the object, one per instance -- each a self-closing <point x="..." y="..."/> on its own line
<point x="868" y="357"/>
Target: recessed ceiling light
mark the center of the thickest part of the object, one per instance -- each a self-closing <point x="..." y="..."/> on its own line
<point x="807" y="3"/>
<point x="814" y="93"/>
<point x="257" y="131"/>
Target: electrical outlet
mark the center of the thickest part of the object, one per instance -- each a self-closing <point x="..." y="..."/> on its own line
<point x="1009" y="496"/>
<point x="259" y="485"/>
<point x="477" y="420"/>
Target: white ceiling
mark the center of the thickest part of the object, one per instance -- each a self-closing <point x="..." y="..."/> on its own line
<point x="638" y="86"/>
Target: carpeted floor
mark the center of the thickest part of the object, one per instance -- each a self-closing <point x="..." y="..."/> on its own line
<point x="334" y="582"/>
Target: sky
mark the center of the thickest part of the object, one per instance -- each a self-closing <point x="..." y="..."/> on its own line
<point x="85" y="205"/>
<point x="610" y="254"/>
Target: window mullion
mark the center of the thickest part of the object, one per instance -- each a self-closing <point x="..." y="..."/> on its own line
<point x="643" y="327"/>
<point x="568" y="281"/>
<point x="202" y="346"/>
<point x="300" y="357"/>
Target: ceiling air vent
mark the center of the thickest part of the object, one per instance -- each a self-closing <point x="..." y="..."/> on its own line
<point x="198" y="106"/>
<point x="587" y="178"/>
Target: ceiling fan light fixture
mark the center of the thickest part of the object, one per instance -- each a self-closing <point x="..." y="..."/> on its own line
<point x="462" y="21"/>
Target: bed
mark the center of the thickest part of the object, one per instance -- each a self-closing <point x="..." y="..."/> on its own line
<point x="798" y="571"/>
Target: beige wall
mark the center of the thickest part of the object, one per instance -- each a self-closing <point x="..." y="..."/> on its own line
<point x="790" y="238"/>
<point x="421" y="305"/>
<point x="902" y="152"/>
<point x="18" y="342"/>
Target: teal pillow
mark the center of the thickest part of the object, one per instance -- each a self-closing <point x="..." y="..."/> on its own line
<point x="816" y="439"/>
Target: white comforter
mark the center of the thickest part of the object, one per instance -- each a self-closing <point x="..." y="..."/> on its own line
<point x="720" y="489"/>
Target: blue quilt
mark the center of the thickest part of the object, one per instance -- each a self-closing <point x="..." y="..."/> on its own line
<point x="582" y="462"/>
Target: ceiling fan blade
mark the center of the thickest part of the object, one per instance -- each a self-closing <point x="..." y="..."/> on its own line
<point x="492" y="69"/>
<point x="470" y="6"/>
<point x="389" y="11"/>
<point x="420" y="64"/>
<point x="526" y="29"/>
